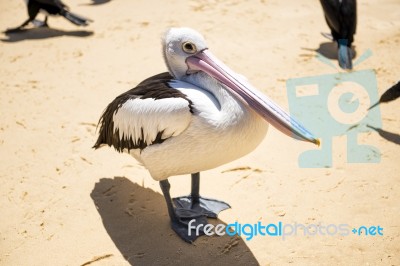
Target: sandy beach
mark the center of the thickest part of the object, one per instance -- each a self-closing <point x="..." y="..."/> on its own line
<point x="64" y="203"/>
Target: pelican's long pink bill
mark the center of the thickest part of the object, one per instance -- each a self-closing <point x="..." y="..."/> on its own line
<point x="205" y="61"/>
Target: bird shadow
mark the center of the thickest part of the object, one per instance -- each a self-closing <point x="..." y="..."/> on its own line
<point x="42" y="33"/>
<point x="137" y="221"/>
<point x="389" y="136"/>
<point x="330" y="50"/>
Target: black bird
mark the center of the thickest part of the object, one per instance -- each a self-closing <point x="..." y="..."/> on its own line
<point x="390" y="95"/>
<point x="341" y="16"/>
<point x="50" y="7"/>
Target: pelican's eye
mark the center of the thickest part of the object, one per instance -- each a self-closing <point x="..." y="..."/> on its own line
<point x="189" y="48"/>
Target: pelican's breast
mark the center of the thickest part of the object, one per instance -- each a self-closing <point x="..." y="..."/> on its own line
<point x="219" y="132"/>
<point x="174" y="127"/>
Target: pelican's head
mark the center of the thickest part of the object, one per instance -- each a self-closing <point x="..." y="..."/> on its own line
<point x="185" y="52"/>
<point x="178" y="45"/>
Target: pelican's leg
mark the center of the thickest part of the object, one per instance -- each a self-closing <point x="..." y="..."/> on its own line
<point x="17" y="29"/>
<point x="200" y="205"/>
<point x="41" y="24"/>
<point x="184" y="223"/>
<point x="45" y="22"/>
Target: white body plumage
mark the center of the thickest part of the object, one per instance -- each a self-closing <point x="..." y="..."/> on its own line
<point x="220" y="130"/>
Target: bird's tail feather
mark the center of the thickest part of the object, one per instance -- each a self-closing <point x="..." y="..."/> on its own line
<point x="391" y="94"/>
<point x="345" y="56"/>
<point x="76" y="19"/>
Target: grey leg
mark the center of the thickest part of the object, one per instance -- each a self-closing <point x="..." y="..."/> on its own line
<point x="184" y="222"/>
<point x="197" y="204"/>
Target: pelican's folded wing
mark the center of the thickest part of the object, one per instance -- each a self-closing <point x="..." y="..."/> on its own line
<point x="148" y="114"/>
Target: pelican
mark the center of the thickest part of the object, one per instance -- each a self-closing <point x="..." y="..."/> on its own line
<point x="197" y="116"/>
<point x="341" y="17"/>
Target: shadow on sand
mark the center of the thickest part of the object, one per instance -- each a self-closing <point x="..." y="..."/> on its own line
<point x="43" y="33"/>
<point x="98" y="2"/>
<point x="389" y="136"/>
<point x="329" y="50"/>
<point x="137" y="221"/>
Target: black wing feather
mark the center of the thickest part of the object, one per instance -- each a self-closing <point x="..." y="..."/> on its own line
<point x="155" y="87"/>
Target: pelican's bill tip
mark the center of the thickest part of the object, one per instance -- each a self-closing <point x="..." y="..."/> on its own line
<point x="317" y="142"/>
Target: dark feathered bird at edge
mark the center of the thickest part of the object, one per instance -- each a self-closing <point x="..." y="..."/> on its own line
<point x="50" y="7"/>
<point x="341" y="16"/>
<point x="390" y="95"/>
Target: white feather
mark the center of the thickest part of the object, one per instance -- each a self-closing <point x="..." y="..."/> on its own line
<point x="170" y="116"/>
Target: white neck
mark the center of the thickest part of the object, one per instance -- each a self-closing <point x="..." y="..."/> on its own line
<point x="231" y="108"/>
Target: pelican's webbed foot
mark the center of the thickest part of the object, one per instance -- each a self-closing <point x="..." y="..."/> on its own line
<point x="189" y="215"/>
<point x="199" y="205"/>
<point x="183" y="222"/>
<point x="186" y="225"/>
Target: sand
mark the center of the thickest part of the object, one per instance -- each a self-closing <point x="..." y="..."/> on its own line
<point x="63" y="203"/>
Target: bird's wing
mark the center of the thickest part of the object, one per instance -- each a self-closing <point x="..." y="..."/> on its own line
<point x="332" y="14"/>
<point x="148" y="114"/>
<point x="349" y="17"/>
<point x="341" y="17"/>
